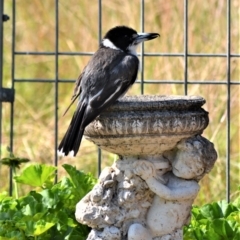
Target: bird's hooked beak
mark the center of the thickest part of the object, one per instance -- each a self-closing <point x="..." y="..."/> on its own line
<point x="141" y="37"/>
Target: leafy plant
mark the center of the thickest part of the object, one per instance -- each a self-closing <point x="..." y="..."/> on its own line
<point x="48" y="213"/>
<point x="13" y="163"/>
<point x="218" y="221"/>
<point x="37" y="175"/>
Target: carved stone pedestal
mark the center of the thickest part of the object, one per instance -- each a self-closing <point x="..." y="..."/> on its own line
<point x="148" y="192"/>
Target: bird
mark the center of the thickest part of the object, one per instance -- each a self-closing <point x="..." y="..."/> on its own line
<point x="111" y="71"/>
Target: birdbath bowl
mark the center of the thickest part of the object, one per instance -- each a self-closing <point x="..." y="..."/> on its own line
<point x="147" y="125"/>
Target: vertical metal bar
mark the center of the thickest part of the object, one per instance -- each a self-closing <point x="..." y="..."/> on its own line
<point x="228" y="99"/>
<point x="99" y="41"/>
<point x="13" y="83"/>
<point x="99" y="161"/>
<point x="142" y="48"/>
<point x="185" y="47"/>
<point x="56" y="84"/>
<point x="1" y="68"/>
<point x="99" y="21"/>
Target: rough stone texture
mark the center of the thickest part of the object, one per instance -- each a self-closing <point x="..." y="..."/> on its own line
<point x="148" y="192"/>
<point x="119" y="199"/>
<point x="134" y="125"/>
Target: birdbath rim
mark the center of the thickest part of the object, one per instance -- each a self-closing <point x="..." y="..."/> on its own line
<point x="156" y="102"/>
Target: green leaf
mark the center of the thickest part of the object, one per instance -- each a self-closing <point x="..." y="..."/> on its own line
<point x="8" y="204"/>
<point x="236" y="202"/>
<point x="211" y="234"/>
<point x="226" y="208"/>
<point x="222" y="227"/>
<point x="42" y="226"/>
<point x="38" y="175"/>
<point x="3" y="195"/>
<point x="212" y="211"/>
<point x="71" y="222"/>
<point x="230" y="209"/>
<point x="32" y="228"/>
<point x="82" y="182"/>
<point x="49" y="198"/>
<point x="32" y="204"/>
<point x="235" y="216"/>
<point x="223" y="205"/>
<point x="237" y="235"/>
<point x="12" y="235"/>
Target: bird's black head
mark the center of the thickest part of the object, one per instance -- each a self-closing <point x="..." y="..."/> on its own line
<point x="126" y="39"/>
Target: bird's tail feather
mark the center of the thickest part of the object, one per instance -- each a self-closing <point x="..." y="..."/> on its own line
<point x="72" y="138"/>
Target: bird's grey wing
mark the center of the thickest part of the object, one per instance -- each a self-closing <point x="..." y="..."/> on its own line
<point x="76" y="91"/>
<point x="116" y="82"/>
<point x="119" y="79"/>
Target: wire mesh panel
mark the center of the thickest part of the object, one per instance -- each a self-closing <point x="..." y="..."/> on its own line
<point x="197" y="54"/>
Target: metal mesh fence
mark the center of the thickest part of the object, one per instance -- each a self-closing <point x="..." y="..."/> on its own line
<point x="186" y="56"/>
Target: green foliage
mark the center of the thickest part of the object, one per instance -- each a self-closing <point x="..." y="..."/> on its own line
<point x="218" y="221"/>
<point x="13" y="163"/>
<point x="45" y="214"/>
<point x="48" y="214"/>
<point x="37" y="175"/>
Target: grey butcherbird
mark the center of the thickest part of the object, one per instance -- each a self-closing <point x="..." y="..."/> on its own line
<point x="107" y="77"/>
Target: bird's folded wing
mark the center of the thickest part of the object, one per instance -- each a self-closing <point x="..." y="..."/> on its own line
<point x="119" y="79"/>
<point x="76" y="91"/>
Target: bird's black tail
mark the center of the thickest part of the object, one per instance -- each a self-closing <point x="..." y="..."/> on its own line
<point x="73" y="137"/>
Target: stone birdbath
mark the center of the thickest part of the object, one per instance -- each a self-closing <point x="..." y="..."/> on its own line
<point x="148" y="192"/>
